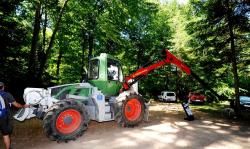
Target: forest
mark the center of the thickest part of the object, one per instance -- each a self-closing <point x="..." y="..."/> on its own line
<point x="49" y="42"/>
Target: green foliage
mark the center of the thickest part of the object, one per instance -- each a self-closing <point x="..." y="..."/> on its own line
<point x="211" y="40"/>
<point x="13" y="37"/>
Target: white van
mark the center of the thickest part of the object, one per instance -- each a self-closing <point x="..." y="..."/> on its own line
<point x="167" y="96"/>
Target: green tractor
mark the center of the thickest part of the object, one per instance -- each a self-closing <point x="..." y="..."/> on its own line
<point x="67" y="109"/>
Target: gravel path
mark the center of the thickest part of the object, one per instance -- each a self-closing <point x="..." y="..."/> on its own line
<point x="165" y="129"/>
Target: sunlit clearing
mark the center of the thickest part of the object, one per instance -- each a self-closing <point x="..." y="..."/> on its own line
<point x="162" y="128"/>
<point x="182" y="143"/>
<point x="223" y="145"/>
<point x="152" y="135"/>
<point x="221" y="124"/>
<point x="207" y="122"/>
<point x="222" y="132"/>
<point x="189" y="128"/>
<point x="210" y="127"/>
<point x="181" y="123"/>
<point x="94" y="141"/>
<point x="126" y="142"/>
<point x="235" y="128"/>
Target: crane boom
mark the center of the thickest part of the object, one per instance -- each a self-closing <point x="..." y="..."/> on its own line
<point x="142" y="72"/>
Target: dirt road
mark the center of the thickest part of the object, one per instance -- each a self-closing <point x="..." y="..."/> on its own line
<point x="166" y="129"/>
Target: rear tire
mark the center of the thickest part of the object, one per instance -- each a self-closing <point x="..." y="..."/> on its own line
<point x="131" y="112"/>
<point x="65" y="120"/>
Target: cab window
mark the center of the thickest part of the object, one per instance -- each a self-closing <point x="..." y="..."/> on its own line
<point x="94" y="69"/>
<point x="113" y="70"/>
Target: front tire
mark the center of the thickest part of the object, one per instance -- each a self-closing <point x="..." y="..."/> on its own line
<point x="132" y="111"/>
<point x="66" y="120"/>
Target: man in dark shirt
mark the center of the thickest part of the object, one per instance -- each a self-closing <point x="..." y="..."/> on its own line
<point x="5" y="123"/>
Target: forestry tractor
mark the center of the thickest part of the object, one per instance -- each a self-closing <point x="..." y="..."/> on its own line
<point x="67" y="109"/>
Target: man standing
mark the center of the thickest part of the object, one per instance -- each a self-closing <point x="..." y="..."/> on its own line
<point x="5" y="122"/>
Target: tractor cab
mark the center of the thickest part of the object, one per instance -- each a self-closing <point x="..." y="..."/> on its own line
<point x="105" y="73"/>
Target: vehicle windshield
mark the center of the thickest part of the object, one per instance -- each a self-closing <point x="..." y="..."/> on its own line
<point x="93" y="69"/>
<point x="60" y="92"/>
<point x="170" y="94"/>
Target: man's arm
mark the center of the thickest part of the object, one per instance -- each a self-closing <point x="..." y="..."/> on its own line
<point x="11" y="100"/>
<point x="18" y="105"/>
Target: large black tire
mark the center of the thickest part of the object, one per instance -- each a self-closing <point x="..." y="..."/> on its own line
<point x="131" y="112"/>
<point x="65" y="120"/>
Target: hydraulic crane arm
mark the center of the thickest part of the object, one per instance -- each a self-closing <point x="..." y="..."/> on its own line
<point x="142" y="72"/>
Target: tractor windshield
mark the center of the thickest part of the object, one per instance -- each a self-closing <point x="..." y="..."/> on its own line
<point x="94" y="69"/>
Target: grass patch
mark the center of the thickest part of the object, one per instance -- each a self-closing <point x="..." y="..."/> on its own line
<point x="214" y="109"/>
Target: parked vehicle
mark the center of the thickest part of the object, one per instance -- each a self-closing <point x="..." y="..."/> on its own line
<point x="244" y="102"/>
<point x="167" y="96"/>
<point x="196" y="98"/>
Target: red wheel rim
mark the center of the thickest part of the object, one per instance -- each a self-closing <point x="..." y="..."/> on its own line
<point x="133" y="109"/>
<point x="68" y="121"/>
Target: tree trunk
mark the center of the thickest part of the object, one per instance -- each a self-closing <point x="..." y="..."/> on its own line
<point x="60" y="55"/>
<point x="84" y="47"/>
<point x="177" y="91"/>
<point x="52" y="39"/>
<point x="33" y="51"/>
<point x="233" y="61"/>
<point x="91" y="45"/>
<point x="166" y="81"/>
<point x="139" y="56"/>
<point x="59" y="60"/>
<point x="44" y="27"/>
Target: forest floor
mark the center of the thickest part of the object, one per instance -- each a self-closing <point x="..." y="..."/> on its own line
<point x="166" y="128"/>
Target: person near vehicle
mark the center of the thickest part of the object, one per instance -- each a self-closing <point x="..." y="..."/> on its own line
<point x="5" y="122"/>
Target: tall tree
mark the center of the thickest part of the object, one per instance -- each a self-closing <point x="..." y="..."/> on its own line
<point x="52" y="39"/>
<point x="220" y="25"/>
<point x="33" y="57"/>
<point x="13" y="36"/>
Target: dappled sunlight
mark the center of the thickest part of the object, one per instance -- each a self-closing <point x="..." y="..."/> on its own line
<point x="224" y="145"/>
<point x="165" y="107"/>
<point x="207" y="122"/>
<point x="152" y="136"/>
<point x="222" y="132"/>
<point x="182" y="143"/>
<point x="163" y="128"/>
<point x="125" y="141"/>
<point x="222" y="124"/>
<point x="93" y="141"/>
<point x="235" y="128"/>
<point x="209" y="126"/>
<point x="181" y="123"/>
<point x="189" y="128"/>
